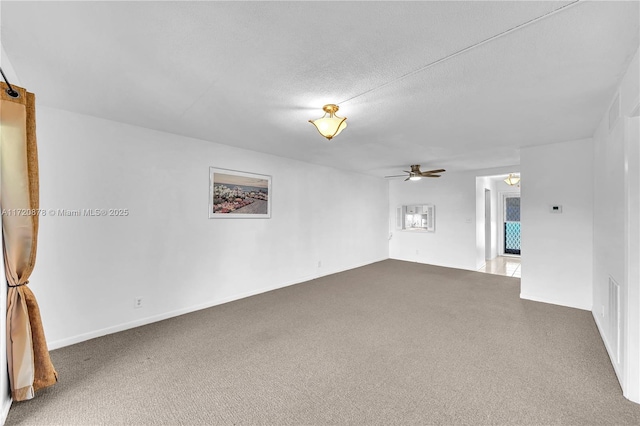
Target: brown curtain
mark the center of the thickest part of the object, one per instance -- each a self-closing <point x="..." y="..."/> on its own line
<point x="30" y="367"/>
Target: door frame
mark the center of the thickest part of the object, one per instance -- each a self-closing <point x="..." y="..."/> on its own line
<point x="488" y="221"/>
<point x="501" y="197"/>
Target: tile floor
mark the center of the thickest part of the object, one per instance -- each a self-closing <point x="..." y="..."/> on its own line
<point x="503" y="265"/>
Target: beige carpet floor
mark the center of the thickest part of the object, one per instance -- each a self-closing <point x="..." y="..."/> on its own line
<point x="389" y="343"/>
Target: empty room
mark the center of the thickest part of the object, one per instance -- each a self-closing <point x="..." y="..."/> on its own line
<point x="320" y="212"/>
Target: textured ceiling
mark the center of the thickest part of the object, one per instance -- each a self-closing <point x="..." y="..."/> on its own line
<point x="250" y="74"/>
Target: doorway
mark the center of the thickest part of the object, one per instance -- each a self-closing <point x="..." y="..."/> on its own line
<point x="511" y="224"/>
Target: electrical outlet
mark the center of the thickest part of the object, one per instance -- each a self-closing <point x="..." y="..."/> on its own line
<point x="137" y="302"/>
<point x="319" y="263"/>
<point x="417" y="251"/>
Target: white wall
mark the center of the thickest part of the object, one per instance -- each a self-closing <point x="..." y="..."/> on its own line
<point x="616" y="238"/>
<point x="5" y="393"/>
<point x="453" y="244"/>
<point x="492" y="238"/>
<point x="90" y="269"/>
<point x="557" y="248"/>
<point x="458" y="240"/>
<point x="484" y="183"/>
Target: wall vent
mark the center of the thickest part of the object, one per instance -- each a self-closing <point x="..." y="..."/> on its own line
<point x="614" y="319"/>
<point x="614" y="112"/>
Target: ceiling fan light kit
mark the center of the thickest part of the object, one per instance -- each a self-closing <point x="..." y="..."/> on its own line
<point x="417" y="174"/>
<point x="331" y="125"/>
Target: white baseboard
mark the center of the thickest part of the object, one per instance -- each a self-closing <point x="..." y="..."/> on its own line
<point x="56" y="344"/>
<point x="616" y="367"/>
<point x="338" y="270"/>
<point x="444" y="265"/>
<point x="554" y="302"/>
<point x="6" y="405"/>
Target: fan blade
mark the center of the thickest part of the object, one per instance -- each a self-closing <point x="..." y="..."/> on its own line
<point x="406" y="179"/>
<point x="433" y="171"/>
<point x="406" y="171"/>
<point x="395" y="176"/>
<point x="430" y="175"/>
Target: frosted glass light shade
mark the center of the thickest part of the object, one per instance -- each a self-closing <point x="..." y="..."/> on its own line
<point x="415" y="177"/>
<point x="330" y="125"/>
<point x="512" y="180"/>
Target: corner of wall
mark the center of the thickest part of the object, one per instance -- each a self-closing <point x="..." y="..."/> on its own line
<point x="164" y="186"/>
<point x="6" y="406"/>
<point x="615" y="235"/>
<point x="607" y="345"/>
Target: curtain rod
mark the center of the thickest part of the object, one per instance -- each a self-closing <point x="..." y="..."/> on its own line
<point x="10" y="90"/>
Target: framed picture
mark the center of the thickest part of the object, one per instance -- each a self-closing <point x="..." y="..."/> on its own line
<point x="235" y="194"/>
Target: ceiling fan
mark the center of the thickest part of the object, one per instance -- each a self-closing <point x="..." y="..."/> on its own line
<point x="416" y="174"/>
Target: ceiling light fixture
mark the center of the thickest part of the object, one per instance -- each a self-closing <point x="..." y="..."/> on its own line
<point x="332" y="125"/>
<point x="512" y="180"/>
<point x="413" y="176"/>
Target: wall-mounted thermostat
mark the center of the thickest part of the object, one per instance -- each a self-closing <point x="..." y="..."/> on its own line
<point x="555" y="209"/>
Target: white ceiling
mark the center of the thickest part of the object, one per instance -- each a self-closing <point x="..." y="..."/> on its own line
<point x="250" y="74"/>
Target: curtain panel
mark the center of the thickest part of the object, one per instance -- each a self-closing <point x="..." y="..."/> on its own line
<point x="30" y="366"/>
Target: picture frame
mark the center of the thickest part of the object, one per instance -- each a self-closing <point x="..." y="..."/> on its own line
<point x="234" y="194"/>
